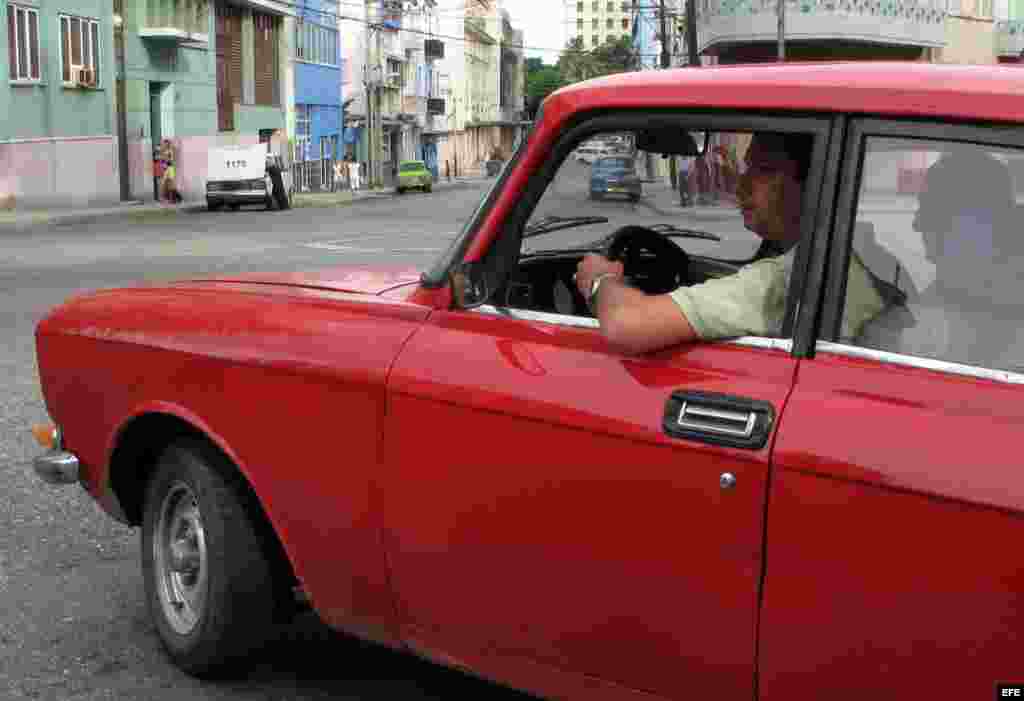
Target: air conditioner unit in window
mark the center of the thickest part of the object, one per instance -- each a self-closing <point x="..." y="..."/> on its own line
<point x="85" y="77"/>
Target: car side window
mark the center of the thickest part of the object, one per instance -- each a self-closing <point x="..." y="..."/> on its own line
<point x="938" y="235"/>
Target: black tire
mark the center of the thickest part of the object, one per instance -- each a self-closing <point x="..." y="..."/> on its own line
<point x="213" y="205"/>
<point x="222" y="555"/>
<point x="233" y="206"/>
<point x="278" y="191"/>
<point x="427" y="188"/>
<point x="399" y="190"/>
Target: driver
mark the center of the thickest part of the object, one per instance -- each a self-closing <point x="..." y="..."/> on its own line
<point x="751" y="301"/>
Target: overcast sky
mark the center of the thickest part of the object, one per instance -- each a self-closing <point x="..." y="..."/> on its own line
<point x="540" y="20"/>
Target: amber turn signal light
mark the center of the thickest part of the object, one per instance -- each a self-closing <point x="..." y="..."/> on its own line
<point x="46" y="435"/>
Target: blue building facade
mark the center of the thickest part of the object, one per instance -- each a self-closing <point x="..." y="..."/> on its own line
<point x="318" y="119"/>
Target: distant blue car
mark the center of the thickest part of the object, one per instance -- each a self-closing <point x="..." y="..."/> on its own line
<point x="614" y="175"/>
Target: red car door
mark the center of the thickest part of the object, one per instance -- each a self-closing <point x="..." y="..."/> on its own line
<point x="897" y="487"/>
<point x="538" y="508"/>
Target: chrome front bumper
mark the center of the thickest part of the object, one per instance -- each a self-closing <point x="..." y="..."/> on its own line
<point x="57" y="467"/>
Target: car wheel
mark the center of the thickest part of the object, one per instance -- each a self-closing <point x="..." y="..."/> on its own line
<point x="234" y="206"/>
<point x="427" y="188"/>
<point x="213" y="205"/>
<point x="206" y="562"/>
<point x="399" y="190"/>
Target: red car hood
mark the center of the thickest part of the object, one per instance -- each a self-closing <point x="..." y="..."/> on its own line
<point x="350" y="278"/>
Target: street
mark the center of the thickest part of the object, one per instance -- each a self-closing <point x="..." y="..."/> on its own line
<point x="74" y="623"/>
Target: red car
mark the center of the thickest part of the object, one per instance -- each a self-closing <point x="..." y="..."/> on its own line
<point x="457" y="463"/>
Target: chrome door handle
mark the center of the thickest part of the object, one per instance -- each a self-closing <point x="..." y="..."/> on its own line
<point x="720" y="419"/>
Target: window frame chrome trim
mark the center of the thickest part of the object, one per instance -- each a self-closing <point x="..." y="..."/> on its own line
<point x="913" y="361"/>
<point x="586" y="322"/>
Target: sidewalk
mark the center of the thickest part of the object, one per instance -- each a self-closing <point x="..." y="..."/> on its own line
<point x="16" y="221"/>
<point x="22" y="221"/>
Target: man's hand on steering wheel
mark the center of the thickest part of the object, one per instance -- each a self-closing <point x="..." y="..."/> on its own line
<point x="593" y="265"/>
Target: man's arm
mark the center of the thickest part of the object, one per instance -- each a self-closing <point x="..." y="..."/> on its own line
<point x="633" y="322"/>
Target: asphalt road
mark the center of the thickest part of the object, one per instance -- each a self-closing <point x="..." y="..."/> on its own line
<point x="74" y="623"/>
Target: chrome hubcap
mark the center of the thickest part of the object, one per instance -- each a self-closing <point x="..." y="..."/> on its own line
<point x="180" y="559"/>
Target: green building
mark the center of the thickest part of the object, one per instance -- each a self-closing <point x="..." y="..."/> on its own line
<point x="58" y="145"/>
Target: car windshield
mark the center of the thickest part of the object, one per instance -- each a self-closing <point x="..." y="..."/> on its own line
<point x="411" y="167"/>
<point x="582" y="205"/>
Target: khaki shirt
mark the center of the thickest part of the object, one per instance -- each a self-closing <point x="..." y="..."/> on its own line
<point x="752" y="301"/>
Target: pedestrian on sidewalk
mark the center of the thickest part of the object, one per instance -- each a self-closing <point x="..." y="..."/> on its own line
<point x="353" y="174"/>
<point x="338" y="180"/>
<point x="158" y="173"/>
<point x="170" y="184"/>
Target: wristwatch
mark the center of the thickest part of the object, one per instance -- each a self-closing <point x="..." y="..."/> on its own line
<point x="595" y="285"/>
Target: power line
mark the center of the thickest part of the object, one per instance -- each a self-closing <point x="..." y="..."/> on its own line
<point x="381" y="26"/>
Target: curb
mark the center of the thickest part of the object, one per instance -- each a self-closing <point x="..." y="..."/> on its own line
<point x="29" y="221"/>
<point x="35" y="220"/>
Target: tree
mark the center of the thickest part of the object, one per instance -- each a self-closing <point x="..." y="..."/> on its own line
<point x="615" y="56"/>
<point x="576" y="63"/>
<point x="542" y="83"/>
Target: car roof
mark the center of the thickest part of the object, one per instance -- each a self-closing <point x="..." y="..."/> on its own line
<point x="907" y="88"/>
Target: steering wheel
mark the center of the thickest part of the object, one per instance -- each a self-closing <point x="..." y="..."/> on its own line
<point x="667" y="270"/>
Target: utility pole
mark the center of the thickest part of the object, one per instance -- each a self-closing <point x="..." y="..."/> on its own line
<point x="691" y="32"/>
<point x="120" y="103"/>
<point x="665" y="62"/>
<point x="781" y="10"/>
<point x="368" y="90"/>
<point x="378" y="90"/>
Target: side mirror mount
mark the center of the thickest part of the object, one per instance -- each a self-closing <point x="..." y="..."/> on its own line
<point x="470" y="285"/>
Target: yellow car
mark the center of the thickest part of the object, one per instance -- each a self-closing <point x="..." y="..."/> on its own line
<point x="413" y="174"/>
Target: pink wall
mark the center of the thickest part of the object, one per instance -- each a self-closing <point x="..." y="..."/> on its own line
<point x="60" y="173"/>
<point x="191" y="163"/>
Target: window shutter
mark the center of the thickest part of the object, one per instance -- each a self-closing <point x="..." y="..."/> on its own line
<point x="94" y="33"/>
<point x="229" y="65"/>
<point x="22" y="62"/>
<point x="33" y="44"/>
<point x="76" y="41"/>
<point x="265" y="53"/>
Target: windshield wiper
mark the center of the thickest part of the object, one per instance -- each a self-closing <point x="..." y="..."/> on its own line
<point x="679" y="232"/>
<point x="554" y="223"/>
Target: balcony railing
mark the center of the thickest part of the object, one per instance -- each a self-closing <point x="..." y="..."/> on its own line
<point x="1010" y="37"/>
<point x="900" y="22"/>
<point x="183" y="21"/>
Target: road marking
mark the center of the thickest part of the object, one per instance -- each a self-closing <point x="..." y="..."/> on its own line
<point x="358" y="244"/>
